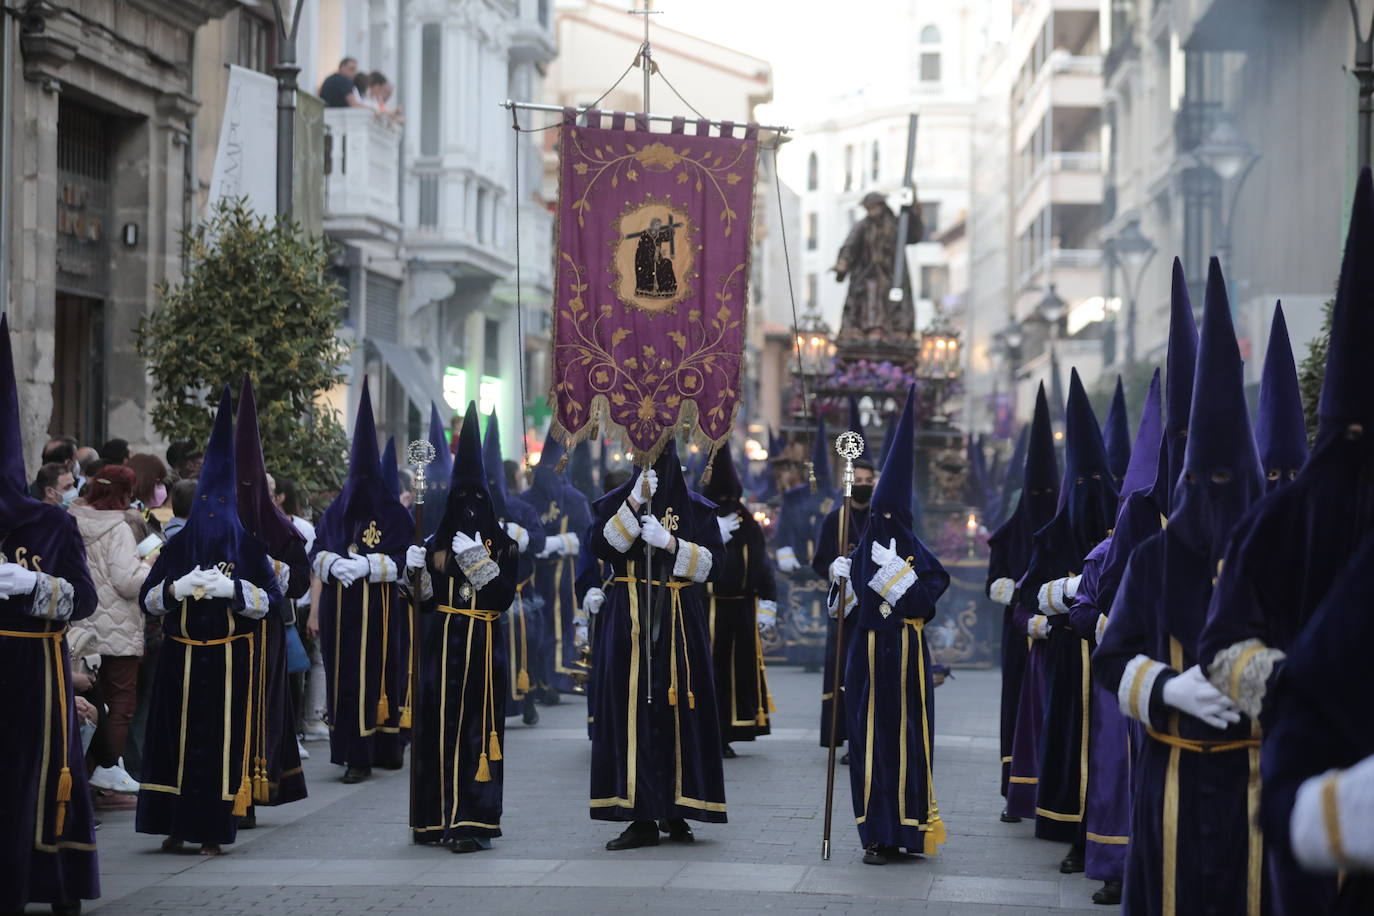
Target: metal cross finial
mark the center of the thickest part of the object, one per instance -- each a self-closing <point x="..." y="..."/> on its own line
<point x="419" y="454"/>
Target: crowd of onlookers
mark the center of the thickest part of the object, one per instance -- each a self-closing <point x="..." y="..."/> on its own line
<point x="126" y="507"/>
<point x="349" y="87"/>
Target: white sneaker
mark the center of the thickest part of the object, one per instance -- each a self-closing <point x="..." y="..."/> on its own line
<point x="316" y="731"/>
<point x="300" y="746"/>
<point x="114" y="779"/>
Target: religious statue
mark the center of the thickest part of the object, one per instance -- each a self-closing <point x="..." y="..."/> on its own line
<point x="654" y="277"/>
<point x="867" y="258"/>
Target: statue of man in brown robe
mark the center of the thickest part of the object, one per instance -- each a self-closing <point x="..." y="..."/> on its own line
<point x="866" y="258"/>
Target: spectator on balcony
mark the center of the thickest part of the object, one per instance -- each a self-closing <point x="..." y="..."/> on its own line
<point x="338" y="90"/>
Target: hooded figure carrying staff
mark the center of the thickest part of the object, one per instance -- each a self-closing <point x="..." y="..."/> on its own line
<point x="655" y="730"/>
<point x="471" y="564"/>
<point x="893" y="583"/>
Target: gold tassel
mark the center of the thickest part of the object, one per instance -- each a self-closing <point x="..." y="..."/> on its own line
<point x="772" y="707"/>
<point x="494" y="747"/>
<point x="562" y="463"/>
<point x="64" y="795"/>
<point x="935" y="836"/>
<point x="811" y="475"/>
<point x="242" y="799"/>
<point x="261" y="789"/>
<point x="761" y="720"/>
<point x="405" y="717"/>
<point x="522" y="681"/>
<point x="483" y="769"/>
<point x="672" y="696"/>
<point x="691" y="700"/>
<point x="383" y="708"/>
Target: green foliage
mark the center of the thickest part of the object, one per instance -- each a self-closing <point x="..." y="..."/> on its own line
<point x="1311" y="369"/>
<point x="256" y="299"/>
<point x="1136" y="381"/>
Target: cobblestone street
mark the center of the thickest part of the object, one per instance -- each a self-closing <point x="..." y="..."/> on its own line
<point x="344" y="850"/>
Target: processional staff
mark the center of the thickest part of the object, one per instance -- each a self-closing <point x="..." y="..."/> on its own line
<point x="849" y="445"/>
<point x="418" y="454"/>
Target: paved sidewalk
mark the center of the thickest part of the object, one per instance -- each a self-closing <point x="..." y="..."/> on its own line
<point x="344" y="850"/>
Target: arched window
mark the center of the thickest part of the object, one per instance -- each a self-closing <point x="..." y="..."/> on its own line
<point x="813" y="172"/>
<point x="930" y="54"/>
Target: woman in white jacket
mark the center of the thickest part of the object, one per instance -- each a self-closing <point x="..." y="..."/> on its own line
<point x="118" y="573"/>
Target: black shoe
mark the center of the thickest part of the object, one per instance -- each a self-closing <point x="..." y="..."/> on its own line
<point x="466" y="844"/>
<point x="1072" y="863"/>
<point x="356" y="774"/>
<point x="844" y="758"/>
<point x="875" y="855"/>
<point x="728" y="752"/>
<point x="1009" y="818"/>
<point x="1108" y="894"/>
<point x="392" y="763"/>
<point x="250" y="820"/>
<point x="550" y="697"/>
<point x="67" y="909"/>
<point x="677" y="830"/>
<point x="639" y="833"/>
<point x="531" y="716"/>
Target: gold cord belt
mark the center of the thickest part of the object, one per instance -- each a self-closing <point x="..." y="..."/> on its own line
<point x="210" y="642"/>
<point x="1199" y="746"/>
<point x="64" y="777"/>
<point x="638" y="581"/>
<point x="491" y="748"/>
<point x="471" y="612"/>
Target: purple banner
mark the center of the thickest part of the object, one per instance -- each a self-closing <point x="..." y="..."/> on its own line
<point x="652" y="273"/>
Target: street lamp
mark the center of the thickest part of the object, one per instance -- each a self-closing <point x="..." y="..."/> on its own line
<point x="1133" y="252"/>
<point x="1231" y="157"/>
<point x="939" y="354"/>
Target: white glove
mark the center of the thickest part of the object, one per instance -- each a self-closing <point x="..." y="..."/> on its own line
<point x="349" y="569"/>
<point x="463" y="542"/>
<point x="16" y="580"/>
<point x="415" y="557"/>
<point x="186" y="585"/>
<point x="1001" y="590"/>
<point x="653" y="532"/>
<point x="218" y="585"/>
<point x="1314" y="822"/>
<point x="519" y="535"/>
<point x="1071" y="586"/>
<point x="883" y="555"/>
<point x="787" y="560"/>
<point x="768" y="616"/>
<point x="1191" y="693"/>
<point x="637" y="497"/>
<point x="553" y="546"/>
<point x="839" y="569"/>
<point x="1038" y="627"/>
<point x="592" y="601"/>
<point x="728" y="525"/>
<point x="579" y="632"/>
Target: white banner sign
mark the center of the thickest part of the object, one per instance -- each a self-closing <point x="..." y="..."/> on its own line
<point x="245" y="164"/>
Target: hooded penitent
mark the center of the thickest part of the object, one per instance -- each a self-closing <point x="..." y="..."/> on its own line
<point x="275" y="735"/>
<point x="794" y="537"/>
<point x="887" y="675"/>
<point x="1178" y="387"/>
<point x="1009" y="491"/>
<point x="743" y="580"/>
<point x="363" y="627"/>
<point x="1087" y="507"/>
<point x="207" y="675"/>
<point x="1108" y="814"/>
<point x="47" y="833"/>
<point x="580" y="470"/>
<point x="1280" y="429"/>
<point x="525" y="624"/>
<point x="1009" y="554"/>
<point x="1116" y="434"/>
<point x="459" y="774"/>
<point x="391" y="471"/>
<point x="1195" y="854"/>
<point x="1293" y="544"/>
<point x="660" y="759"/>
<point x="565" y="515"/>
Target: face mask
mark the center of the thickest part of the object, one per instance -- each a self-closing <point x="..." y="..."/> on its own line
<point x="159" y="496"/>
<point x="863" y="492"/>
<point x="69" y="497"/>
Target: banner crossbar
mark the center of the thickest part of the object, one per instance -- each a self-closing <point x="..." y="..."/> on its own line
<point x="511" y="105"/>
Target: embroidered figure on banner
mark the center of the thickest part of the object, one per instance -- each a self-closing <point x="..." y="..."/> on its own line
<point x="654" y="255"/>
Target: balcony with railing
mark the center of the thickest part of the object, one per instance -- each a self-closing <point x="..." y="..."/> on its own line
<point x="1064" y="79"/>
<point x="1063" y="177"/>
<point x="362" y="177"/>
